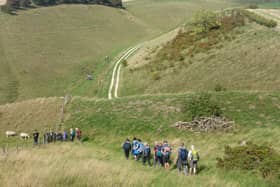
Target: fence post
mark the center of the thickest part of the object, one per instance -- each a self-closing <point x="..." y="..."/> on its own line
<point x="4" y="150"/>
<point x="7" y="148"/>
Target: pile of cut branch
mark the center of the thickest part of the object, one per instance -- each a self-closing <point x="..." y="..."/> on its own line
<point x="205" y="124"/>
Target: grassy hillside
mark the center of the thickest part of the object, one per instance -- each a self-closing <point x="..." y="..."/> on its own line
<point x="246" y="59"/>
<point x="108" y="123"/>
<point x="48" y="51"/>
<point x="40" y="113"/>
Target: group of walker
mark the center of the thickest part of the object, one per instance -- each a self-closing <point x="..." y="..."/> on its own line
<point x="53" y="136"/>
<point x="161" y="155"/>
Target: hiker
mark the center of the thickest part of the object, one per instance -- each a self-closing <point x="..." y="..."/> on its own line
<point x="65" y="136"/>
<point x="126" y="148"/>
<point x="35" y="137"/>
<point x="52" y="136"/>
<point x="139" y="150"/>
<point x="182" y="159"/>
<point x="59" y="136"/>
<point x="72" y="134"/>
<point x="194" y="158"/>
<point x="46" y="138"/>
<point x="157" y="154"/>
<point x="147" y="154"/>
<point x="79" y="134"/>
<point x="166" y="152"/>
<point x="134" y="147"/>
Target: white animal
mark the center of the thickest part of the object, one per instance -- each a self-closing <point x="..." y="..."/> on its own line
<point x="10" y="133"/>
<point x="24" y="135"/>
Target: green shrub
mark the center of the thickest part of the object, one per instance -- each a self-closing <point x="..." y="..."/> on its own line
<point x="259" y="19"/>
<point x="124" y="63"/>
<point x="253" y="6"/>
<point x="219" y="88"/>
<point x="261" y="158"/>
<point x="204" y="21"/>
<point x="85" y="139"/>
<point x="156" y="76"/>
<point x="203" y="105"/>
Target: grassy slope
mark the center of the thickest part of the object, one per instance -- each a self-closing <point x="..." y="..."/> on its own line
<point x="48" y="48"/>
<point x="249" y="62"/>
<point x="48" y="51"/>
<point x="108" y="123"/>
<point x="256" y="116"/>
<point x="40" y="113"/>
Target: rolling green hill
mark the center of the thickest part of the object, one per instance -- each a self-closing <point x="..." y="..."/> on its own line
<point x="108" y="123"/>
<point x="246" y="59"/>
<point x="48" y="51"/>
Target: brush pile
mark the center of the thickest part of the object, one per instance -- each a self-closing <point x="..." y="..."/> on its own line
<point x="205" y="124"/>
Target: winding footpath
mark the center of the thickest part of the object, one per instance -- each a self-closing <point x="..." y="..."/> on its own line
<point x="116" y="72"/>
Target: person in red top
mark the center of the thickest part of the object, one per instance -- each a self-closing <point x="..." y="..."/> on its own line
<point x="78" y="133"/>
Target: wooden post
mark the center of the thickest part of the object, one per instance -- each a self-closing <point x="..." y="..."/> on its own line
<point x="6" y="148"/>
<point x="3" y="149"/>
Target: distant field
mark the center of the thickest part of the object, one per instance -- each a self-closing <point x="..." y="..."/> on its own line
<point x="48" y="51"/>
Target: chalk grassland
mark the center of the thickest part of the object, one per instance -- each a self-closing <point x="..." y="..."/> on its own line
<point x="273" y="14"/>
<point x="248" y="62"/>
<point x="45" y="51"/>
<point x="41" y="113"/>
<point x="107" y="123"/>
<point x="48" y="51"/>
<point x="74" y="165"/>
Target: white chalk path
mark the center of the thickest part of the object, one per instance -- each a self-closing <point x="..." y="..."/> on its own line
<point x="117" y="67"/>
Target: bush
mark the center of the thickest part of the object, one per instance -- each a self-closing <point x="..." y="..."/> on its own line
<point x="253" y="6"/>
<point x="261" y="158"/>
<point x="156" y="76"/>
<point x="203" y="105"/>
<point x="219" y="88"/>
<point x="85" y="139"/>
<point x="259" y="19"/>
<point x="204" y="21"/>
<point x="124" y="63"/>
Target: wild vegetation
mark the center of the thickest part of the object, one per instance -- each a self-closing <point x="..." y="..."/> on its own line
<point x="42" y="61"/>
<point x="259" y="19"/>
<point x="13" y="5"/>
<point x="108" y="123"/>
<point x="262" y="158"/>
<point x="220" y="65"/>
<point x="219" y="52"/>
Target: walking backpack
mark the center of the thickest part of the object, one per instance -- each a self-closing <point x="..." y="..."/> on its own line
<point x="195" y="155"/>
<point x="126" y="146"/>
<point x="159" y="152"/>
<point x="183" y="154"/>
<point x="147" y="151"/>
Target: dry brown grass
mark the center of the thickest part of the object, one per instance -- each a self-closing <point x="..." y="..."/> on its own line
<point x="66" y="165"/>
<point x="40" y="113"/>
